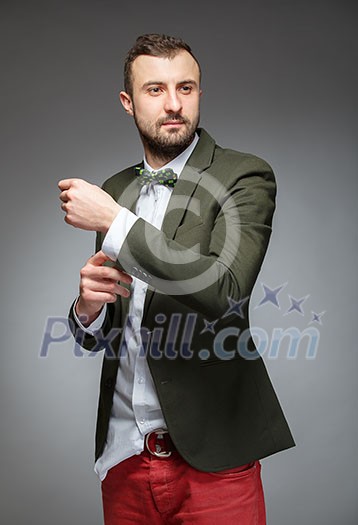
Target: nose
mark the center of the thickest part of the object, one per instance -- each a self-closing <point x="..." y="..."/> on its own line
<point x="173" y="102"/>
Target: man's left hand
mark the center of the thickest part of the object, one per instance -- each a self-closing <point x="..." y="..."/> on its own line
<point x="87" y="206"/>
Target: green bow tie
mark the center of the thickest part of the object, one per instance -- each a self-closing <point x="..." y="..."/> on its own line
<point x="166" y="177"/>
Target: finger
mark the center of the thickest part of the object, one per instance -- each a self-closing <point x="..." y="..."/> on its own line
<point x="65" y="184"/>
<point x="99" y="258"/>
<point x="106" y="273"/>
<point x="114" y="274"/>
<point x="63" y="196"/>
<point x="124" y="277"/>
<point x="124" y="292"/>
<point x="98" y="296"/>
<point x="112" y="287"/>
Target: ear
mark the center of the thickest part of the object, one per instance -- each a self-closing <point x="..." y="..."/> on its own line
<point x="126" y="102"/>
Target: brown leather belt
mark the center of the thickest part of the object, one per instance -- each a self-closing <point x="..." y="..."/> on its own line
<point x="159" y="444"/>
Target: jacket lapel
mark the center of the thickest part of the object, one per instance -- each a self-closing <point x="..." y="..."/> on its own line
<point x="189" y="179"/>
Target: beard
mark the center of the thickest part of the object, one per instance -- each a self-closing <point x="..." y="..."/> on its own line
<point x="166" y="145"/>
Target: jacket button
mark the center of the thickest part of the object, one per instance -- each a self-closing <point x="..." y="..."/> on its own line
<point x="108" y="383"/>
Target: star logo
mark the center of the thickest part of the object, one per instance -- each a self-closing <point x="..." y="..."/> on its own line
<point x="296" y="305"/>
<point x="209" y="326"/>
<point x="271" y="295"/>
<point x="317" y="318"/>
<point x="235" y="307"/>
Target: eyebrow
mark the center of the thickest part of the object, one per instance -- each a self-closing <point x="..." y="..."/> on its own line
<point x="161" y="83"/>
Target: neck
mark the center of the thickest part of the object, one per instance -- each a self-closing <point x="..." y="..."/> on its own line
<point x="158" y="161"/>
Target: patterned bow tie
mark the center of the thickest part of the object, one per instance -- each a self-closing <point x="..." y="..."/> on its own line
<point x="166" y="177"/>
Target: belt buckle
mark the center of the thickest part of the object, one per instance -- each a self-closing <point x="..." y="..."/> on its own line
<point x="158" y="452"/>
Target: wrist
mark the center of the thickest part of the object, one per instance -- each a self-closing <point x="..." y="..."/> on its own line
<point x="111" y="215"/>
<point x="87" y="314"/>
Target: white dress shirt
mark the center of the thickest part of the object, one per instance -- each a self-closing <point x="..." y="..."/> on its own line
<point x="136" y="409"/>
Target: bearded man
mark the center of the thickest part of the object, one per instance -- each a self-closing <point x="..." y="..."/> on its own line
<point x="186" y="407"/>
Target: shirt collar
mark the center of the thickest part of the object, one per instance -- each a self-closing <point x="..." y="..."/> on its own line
<point x="179" y="162"/>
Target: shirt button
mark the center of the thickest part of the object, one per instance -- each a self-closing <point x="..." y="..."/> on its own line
<point x="141" y="380"/>
<point x="142" y="421"/>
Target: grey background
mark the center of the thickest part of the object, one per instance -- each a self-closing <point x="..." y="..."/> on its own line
<point x="280" y="81"/>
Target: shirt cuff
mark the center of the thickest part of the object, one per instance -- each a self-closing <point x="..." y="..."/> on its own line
<point x="95" y="325"/>
<point x="118" y="232"/>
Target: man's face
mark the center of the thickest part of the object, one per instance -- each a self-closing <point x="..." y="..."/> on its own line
<point x="165" y="102"/>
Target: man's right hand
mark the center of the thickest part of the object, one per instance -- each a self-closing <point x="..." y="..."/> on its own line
<point x="99" y="285"/>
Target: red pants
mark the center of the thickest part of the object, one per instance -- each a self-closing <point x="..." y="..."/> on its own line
<point x="147" y="490"/>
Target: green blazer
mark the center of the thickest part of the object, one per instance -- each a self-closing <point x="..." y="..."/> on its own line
<point x="217" y="399"/>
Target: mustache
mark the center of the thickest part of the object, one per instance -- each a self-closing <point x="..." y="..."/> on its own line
<point x="174" y="116"/>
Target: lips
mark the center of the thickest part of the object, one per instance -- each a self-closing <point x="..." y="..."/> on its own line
<point x="173" y="123"/>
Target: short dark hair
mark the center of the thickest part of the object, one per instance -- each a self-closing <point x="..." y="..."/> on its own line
<point x="155" y="45"/>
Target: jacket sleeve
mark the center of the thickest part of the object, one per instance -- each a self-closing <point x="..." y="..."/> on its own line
<point x="228" y="267"/>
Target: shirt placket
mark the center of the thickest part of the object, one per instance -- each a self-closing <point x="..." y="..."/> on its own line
<point x="140" y="387"/>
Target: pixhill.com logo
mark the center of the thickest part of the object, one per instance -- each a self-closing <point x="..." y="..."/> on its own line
<point x="299" y="338"/>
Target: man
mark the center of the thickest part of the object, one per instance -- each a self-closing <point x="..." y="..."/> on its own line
<point x="186" y="408"/>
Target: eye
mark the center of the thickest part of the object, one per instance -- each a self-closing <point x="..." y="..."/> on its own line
<point x="155" y="90"/>
<point x="186" y="89"/>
